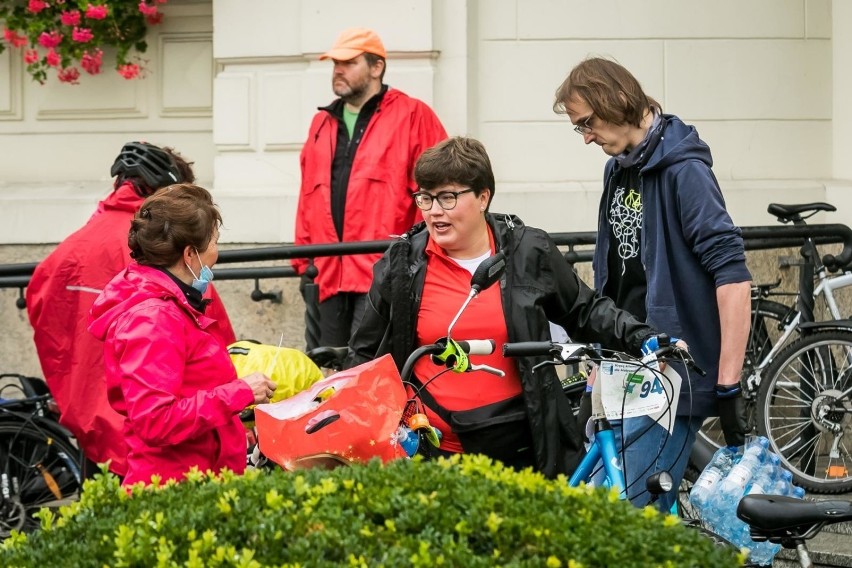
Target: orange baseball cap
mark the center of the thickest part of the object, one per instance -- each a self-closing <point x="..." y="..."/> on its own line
<point x="353" y="42"/>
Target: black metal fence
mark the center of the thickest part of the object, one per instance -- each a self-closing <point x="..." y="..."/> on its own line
<point x="755" y="238"/>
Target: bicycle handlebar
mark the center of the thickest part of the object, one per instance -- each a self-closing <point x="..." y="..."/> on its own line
<point x="453" y="354"/>
<point x="528" y="348"/>
<point x="477" y="346"/>
<point x="572" y="352"/>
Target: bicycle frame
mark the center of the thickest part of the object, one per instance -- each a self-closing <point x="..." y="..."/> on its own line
<point x="825" y="288"/>
<point x="603" y="449"/>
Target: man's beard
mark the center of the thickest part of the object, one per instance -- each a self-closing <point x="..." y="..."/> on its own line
<point x="350" y="93"/>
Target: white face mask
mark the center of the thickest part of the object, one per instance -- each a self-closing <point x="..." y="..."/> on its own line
<point x="201" y="281"/>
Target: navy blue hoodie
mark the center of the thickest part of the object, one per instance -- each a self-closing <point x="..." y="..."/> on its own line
<point x="690" y="246"/>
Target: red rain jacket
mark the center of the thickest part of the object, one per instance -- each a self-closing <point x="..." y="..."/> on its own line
<point x="170" y="377"/>
<point x="59" y="296"/>
<point x="378" y="198"/>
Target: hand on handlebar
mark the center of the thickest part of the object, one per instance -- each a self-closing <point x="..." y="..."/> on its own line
<point x="661" y="345"/>
<point x="664" y="343"/>
<point x="455" y="355"/>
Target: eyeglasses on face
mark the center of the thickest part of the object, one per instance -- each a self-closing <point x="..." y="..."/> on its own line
<point x="584" y="128"/>
<point x="446" y="199"/>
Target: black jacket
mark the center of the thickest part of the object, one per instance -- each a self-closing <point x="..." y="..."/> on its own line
<point x="538" y="286"/>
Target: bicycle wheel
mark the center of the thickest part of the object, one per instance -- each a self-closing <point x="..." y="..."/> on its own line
<point x="767" y="322"/>
<point x="37" y="469"/>
<point x="803" y="411"/>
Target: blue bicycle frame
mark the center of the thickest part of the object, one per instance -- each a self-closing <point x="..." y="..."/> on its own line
<point x="603" y="449"/>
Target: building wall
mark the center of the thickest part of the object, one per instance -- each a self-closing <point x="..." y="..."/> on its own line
<point x="763" y="81"/>
<point x="58" y="141"/>
<point x="233" y="86"/>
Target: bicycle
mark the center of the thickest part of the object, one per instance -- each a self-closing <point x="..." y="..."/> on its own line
<point x="643" y="379"/>
<point x="40" y="465"/>
<point x="790" y="522"/>
<point x="767" y="355"/>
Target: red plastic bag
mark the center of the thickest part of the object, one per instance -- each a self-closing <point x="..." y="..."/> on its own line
<point x="350" y="416"/>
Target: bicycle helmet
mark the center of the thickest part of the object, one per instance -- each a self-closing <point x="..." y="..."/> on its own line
<point x="150" y="164"/>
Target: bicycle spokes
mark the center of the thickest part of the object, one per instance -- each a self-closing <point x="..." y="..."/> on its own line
<point x="808" y="413"/>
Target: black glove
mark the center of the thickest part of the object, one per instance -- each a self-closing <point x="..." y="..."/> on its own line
<point x="732" y="413"/>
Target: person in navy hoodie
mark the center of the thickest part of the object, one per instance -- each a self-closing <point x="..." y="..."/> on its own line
<point x="668" y="252"/>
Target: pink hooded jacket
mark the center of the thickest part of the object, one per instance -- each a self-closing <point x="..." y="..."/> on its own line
<point x="170" y="377"/>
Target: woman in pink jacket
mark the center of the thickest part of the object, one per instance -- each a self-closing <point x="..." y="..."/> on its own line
<point x="166" y="373"/>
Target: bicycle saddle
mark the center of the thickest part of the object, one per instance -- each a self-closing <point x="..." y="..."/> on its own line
<point x="787" y="213"/>
<point x="776" y="515"/>
<point x="328" y="357"/>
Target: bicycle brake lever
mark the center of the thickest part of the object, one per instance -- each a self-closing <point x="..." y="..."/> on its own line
<point x="487" y="369"/>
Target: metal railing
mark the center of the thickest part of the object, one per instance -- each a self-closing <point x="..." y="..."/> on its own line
<point x="755" y="238"/>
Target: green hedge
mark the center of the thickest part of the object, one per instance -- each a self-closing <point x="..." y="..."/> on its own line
<point x="460" y="512"/>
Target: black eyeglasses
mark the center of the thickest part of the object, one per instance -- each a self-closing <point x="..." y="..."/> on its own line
<point x="584" y="128"/>
<point x="446" y="199"/>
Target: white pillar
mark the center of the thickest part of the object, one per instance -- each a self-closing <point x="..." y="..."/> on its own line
<point x="839" y="189"/>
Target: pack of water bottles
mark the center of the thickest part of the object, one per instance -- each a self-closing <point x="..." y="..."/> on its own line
<point x="731" y="474"/>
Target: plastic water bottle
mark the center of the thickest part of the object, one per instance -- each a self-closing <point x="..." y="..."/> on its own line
<point x="704" y="487"/>
<point x="408" y="440"/>
<point x="763" y="553"/>
<point x="784" y="484"/>
<point x="720" y="512"/>
<point x="765" y="477"/>
<point x="733" y="485"/>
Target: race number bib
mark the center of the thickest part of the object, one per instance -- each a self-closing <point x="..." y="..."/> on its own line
<point x="629" y="389"/>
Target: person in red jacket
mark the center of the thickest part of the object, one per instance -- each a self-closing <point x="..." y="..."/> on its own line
<point x="167" y="373"/>
<point x="65" y="284"/>
<point x="358" y="175"/>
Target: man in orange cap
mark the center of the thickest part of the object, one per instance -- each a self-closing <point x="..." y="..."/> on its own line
<point x="358" y="175"/>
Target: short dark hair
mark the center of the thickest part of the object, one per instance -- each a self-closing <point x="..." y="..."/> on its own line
<point x="457" y="160"/>
<point x="175" y="217"/>
<point x="372" y="59"/>
<point x="612" y="92"/>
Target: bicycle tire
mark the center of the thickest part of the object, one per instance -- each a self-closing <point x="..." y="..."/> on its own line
<point x="38" y="468"/>
<point x="767" y="320"/>
<point x="795" y="405"/>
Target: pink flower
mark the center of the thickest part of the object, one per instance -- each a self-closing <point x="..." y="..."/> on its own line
<point x="155" y="19"/>
<point x="146" y="9"/>
<point x="92" y="62"/>
<point x="36" y="6"/>
<point x="69" y="75"/>
<point x="96" y="12"/>
<point x="30" y="56"/>
<point x="70" y="18"/>
<point x="82" y="35"/>
<point x="53" y="58"/>
<point x="14" y="39"/>
<point x="49" y="40"/>
<point x="129" y="71"/>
